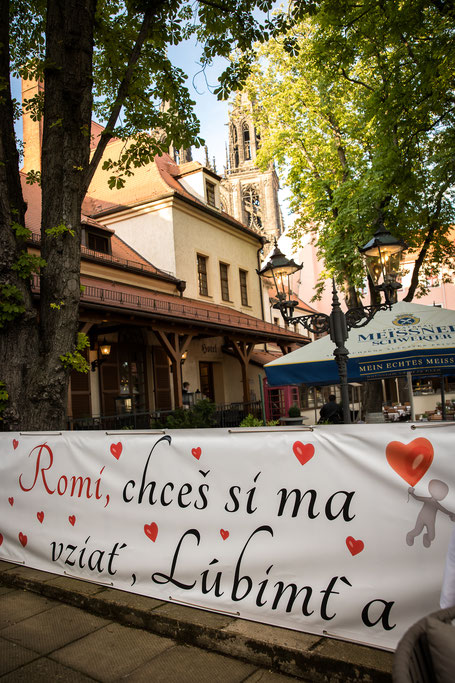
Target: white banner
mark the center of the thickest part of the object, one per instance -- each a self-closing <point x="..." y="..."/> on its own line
<point x="341" y="531"/>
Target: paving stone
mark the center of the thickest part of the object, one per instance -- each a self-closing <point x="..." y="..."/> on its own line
<point x="273" y="635"/>
<point x="75" y="585"/>
<point x="130" y="600"/>
<point x="13" y="656"/>
<point x="264" y="676"/>
<point x="358" y="655"/>
<point x="112" y="652"/>
<point x="192" y="615"/>
<point x="53" y="628"/>
<point x="6" y="589"/>
<point x="33" y="574"/>
<point x="6" y="566"/>
<point x="44" y="670"/>
<point x="18" y="605"/>
<point x="191" y="665"/>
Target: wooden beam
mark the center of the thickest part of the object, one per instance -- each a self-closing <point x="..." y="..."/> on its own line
<point x="243" y="351"/>
<point x="175" y="347"/>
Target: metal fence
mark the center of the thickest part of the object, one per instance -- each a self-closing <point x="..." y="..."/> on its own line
<point x="226" y="415"/>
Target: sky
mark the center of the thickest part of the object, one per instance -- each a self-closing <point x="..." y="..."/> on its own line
<point x="212" y="114"/>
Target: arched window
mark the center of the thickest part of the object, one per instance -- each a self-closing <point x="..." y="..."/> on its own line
<point x="246" y="141"/>
<point x="251" y="207"/>
<point x="234" y="147"/>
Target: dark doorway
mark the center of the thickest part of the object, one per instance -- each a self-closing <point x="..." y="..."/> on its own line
<point x="206" y="380"/>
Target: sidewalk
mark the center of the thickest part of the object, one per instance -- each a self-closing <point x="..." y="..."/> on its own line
<point x="42" y="639"/>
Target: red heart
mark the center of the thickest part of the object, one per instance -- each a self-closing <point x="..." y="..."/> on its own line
<point x="40" y="516"/>
<point x="1" y="539"/>
<point x="354" y="546"/>
<point x="116" y="449"/>
<point x="303" y="452"/>
<point x="15" y="443"/>
<point x="411" y="460"/>
<point x="196" y="452"/>
<point x="23" y="539"/>
<point x="72" y="520"/>
<point x="224" y="534"/>
<point x="11" y="500"/>
<point x="151" y="530"/>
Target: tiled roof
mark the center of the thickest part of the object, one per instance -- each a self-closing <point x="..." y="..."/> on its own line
<point x="122" y="254"/>
<point x="156" y="180"/>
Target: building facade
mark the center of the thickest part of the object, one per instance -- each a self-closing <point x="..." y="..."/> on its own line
<point x="169" y="286"/>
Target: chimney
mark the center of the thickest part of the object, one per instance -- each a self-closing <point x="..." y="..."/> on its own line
<point x="32" y="130"/>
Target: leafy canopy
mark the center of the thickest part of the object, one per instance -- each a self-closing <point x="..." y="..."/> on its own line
<point x="356" y="105"/>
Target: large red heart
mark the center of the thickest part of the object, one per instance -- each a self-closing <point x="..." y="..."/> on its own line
<point x="116" y="449"/>
<point x="354" y="546"/>
<point x="72" y="520"/>
<point x="303" y="451"/>
<point x="40" y="516"/>
<point x="1" y="539"/>
<point x="224" y="534"/>
<point x="151" y="531"/>
<point x="11" y="500"/>
<point x="411" y="460"/>
<point x="15" y="443"/>
<point x="196" y="452"/>
<point x="22" y="539"/>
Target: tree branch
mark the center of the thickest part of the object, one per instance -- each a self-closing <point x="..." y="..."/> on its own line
<point x="122" y="93"/>
<point x="356" y="81"/>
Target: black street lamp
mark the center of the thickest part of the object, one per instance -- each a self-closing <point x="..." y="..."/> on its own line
<point x="382" y="255"/>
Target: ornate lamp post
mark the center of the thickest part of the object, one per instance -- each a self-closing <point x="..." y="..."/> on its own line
<point x="382" y="256"/>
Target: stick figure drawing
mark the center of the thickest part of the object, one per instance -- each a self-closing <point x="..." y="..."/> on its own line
<point x="426" y="519"/>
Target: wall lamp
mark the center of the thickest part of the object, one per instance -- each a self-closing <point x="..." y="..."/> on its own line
<point x="105" y="350"/>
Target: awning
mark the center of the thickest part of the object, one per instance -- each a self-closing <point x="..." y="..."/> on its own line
<point x="408" y="338"/>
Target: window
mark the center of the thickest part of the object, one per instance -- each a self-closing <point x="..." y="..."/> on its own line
<point x="224" y="280"/>
<point x="235" y="148"/>
<point x="202" y="275"/>
<point x="251" y="207"/>
<point x="246" y="141"/>
<point x="243" y="287"/>
<point x="210" y="191"/>
<point x="98" y="243"/>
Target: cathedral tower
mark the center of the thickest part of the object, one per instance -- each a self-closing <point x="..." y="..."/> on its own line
<point x="249" y="194"/>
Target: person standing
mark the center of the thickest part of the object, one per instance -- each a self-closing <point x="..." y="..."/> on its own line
<point x="331" y="412"/>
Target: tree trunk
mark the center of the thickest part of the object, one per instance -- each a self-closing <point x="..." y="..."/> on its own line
<point x="18" y="329"/>
<point x="35" y="377"/>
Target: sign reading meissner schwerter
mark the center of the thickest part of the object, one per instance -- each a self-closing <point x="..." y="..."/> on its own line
<point x="339" y="531"/>
<point x="428" y="348"/>
<point x="407" y="338"/>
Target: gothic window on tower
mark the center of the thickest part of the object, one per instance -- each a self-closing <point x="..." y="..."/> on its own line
<point x="251" y="207"/>
<point x="246" y="141"/>
<point x="234" y="147"/>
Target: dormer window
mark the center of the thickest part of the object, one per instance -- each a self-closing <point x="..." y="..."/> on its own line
<point x="96" y="239"/>
<point x="210" y="193"/>
<point x="98" y="243"/>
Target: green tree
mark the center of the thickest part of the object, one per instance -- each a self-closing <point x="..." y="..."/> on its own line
<point x="96" y="57"/>
<point x="356" y="105"/>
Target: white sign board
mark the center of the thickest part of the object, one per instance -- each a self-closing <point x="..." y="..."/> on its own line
<point x="341" y="531"/>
